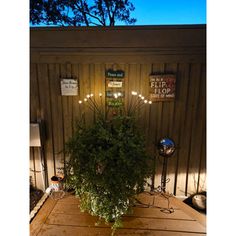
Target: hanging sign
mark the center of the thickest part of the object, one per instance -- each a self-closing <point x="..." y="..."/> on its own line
<point x="69" y="87"/>
<point x="114" y="74"/>
<point x="114" y="88"/>
<point x="115" y="103"/>
<point x="162" y="87"/>
<point x="114" y="84"/>
<point x="112" y="94"/>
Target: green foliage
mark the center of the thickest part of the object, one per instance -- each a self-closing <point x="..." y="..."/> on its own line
<point x="108" y="166"/>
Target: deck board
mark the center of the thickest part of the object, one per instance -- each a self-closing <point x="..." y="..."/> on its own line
<point x="60" y="230"/>
<point x="63" y="217"/>
<point x="62" y="208"/>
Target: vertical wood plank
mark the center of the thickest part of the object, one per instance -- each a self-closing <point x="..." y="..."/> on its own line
<point x="133" y="86"/>
<point x="168" y="126"/>
<point x="46" y="115"/>
<point x="196" y="132"/>
<point x="201" y="182"/>
<point x="86" y="83"/>
<point x="99" y="86"/>
<point x="177" y="118"/>
<point x="156" y="120"/>
<point x="77" y="111"/>
<point x="34" y="93"/>
<point x="127" y="88"/>
<point x="57" y="120"/>
<point x="192" y="129"/>
<point x="145" y="70"/>
<point x="181" y="104"/>
<point x="66" y="103"/>
<point x="92" y="89"/>
<point x="102" y="89"/>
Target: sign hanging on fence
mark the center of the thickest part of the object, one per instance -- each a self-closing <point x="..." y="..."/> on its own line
<point x="115" y="74"/>
<point x="114" y="88"/>
<point x="69" y="87"/>
<point x="162" y="87"/>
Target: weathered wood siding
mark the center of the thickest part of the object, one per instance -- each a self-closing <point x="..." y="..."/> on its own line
<point x="85" y="53"/>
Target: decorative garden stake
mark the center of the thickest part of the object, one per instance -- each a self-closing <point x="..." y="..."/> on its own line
<point x="166" y="148"/>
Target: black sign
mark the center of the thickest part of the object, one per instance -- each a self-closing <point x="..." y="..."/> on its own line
<point x="115" y="74"/>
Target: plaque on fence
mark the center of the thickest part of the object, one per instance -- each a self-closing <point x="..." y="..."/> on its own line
<point x="69" y="87"/>
<point x="114" y="88"/>
<point x="115" y="74"/>
<point x="162" y="87"/>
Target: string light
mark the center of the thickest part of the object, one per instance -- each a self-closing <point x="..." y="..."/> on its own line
<point x="116" y="95"/>
<point x="133" y="106"/>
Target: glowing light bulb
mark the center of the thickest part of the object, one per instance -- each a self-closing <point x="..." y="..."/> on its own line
<point x="91" y="95"/>
<point x="85" y="99"/>
<point x="142" y="97"/>
<point x="134" y="93"/>
<point x="79" y="101"/>
<point x="145" y="101"/>
<point x="100" y="94"/>
<point x="150" y="102"/>
<point x="88" y="96"/>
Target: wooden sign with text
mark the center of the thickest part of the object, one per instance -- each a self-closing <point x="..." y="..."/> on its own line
<point x="162" y="87"/>
<point x="114" y="88"/>
<point x="69" y="87"/>
<point x="115" y="74"/>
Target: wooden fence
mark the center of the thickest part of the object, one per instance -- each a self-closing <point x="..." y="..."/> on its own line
<point x="86" y="53"/>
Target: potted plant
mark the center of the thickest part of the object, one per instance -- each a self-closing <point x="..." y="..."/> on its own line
<point x="108" y="166"/>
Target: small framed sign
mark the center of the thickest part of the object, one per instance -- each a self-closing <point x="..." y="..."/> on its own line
<point x="69" y="87"/>
<point x="162" y="87"/>
<point x="115" y="74"/>
<point x="114" y="103"/>
<point x="114" y="84"/>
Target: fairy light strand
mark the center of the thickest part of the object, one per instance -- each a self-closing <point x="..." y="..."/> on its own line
<point x="137" y="101"/>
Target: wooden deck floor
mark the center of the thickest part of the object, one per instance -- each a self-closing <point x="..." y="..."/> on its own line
<point x="64" y="218"/>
